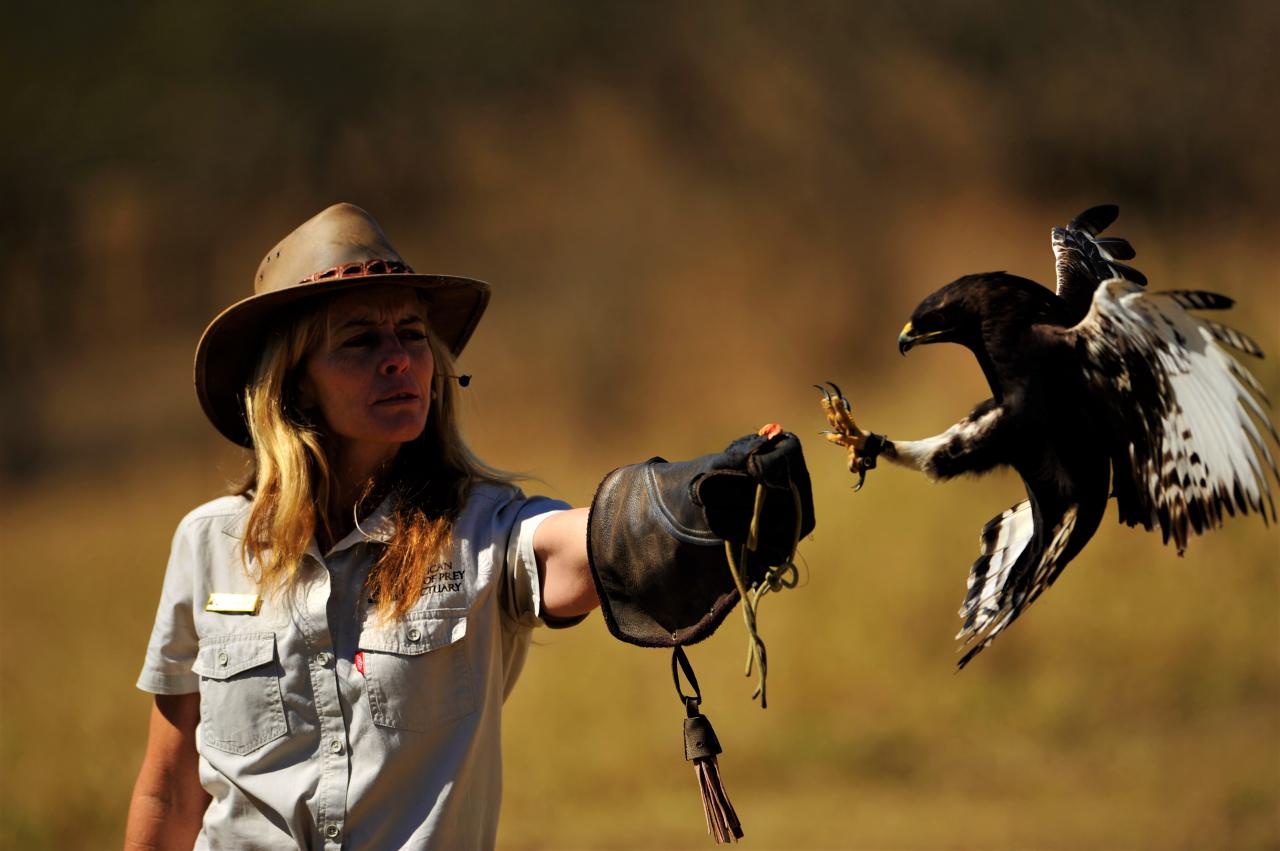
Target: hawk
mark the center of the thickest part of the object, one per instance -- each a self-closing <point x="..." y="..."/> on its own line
<point x="1099" y="389"/>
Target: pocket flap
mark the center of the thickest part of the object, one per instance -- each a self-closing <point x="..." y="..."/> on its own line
<point x="414" y="634"/>
<point x="224" y="656"/>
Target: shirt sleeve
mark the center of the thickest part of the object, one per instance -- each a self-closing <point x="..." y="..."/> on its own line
<point x="174" y="643"/>
<point x="522" y="590"/>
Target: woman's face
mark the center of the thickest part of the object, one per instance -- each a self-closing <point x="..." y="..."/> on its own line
<point x="370" y="378"/>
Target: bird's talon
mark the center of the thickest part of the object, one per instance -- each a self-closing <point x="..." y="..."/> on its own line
<point x="844" y="431"/>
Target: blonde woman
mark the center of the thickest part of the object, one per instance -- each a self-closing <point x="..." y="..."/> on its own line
<point x="335" y="641"/>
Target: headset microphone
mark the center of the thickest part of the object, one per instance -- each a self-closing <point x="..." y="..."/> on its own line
<point x="463" y="380"/>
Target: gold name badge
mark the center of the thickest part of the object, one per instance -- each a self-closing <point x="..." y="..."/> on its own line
<point x="233" y="604"/>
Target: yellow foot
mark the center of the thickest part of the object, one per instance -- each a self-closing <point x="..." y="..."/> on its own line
<point x="844" y="431"/>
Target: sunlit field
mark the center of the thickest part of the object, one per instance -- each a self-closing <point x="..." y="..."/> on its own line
<point x="1136" y="705"/>
<point x="688" y="220"/>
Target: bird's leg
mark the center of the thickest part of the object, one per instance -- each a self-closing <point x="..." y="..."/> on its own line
<point x="845" y="432"/>
<point x="974" y="445"/>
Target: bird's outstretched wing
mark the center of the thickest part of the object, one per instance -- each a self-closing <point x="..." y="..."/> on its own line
<point x="988" y="605"/>
<point x="1083" y="259"/>
<point x="1023" y="551"/>
<point x="1184" y="423"/>
<point x="1185" y="419"/>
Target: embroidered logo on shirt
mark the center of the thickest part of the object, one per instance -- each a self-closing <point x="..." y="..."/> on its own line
<point x="442" y="579"/>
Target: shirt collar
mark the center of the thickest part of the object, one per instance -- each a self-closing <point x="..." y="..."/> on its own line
<point x="379" y="526"/>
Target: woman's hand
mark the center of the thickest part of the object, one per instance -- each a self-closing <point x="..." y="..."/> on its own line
<point x="560" y="544"/>
<point x="168" y="801"/>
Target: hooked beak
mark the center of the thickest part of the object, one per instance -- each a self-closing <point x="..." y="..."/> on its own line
<point x="909" y="338"/>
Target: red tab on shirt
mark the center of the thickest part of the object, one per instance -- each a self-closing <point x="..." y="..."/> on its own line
<point x="359" y="660"/>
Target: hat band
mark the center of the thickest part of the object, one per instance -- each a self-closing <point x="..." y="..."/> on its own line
<point x="360" y="270"/>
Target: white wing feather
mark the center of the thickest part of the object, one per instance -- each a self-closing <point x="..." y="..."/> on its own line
<point x="1188" y="411"/>
<point x="1009" y="574"/>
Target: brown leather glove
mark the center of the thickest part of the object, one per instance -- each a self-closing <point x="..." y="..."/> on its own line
<point x="656" y="535"/>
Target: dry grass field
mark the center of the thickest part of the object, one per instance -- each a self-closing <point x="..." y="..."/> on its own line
<point x="1136" y="706"/>
<point x="688" y="220"/>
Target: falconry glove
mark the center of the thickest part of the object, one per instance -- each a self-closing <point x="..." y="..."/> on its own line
<point x="661" y="543"/>
<point x="657" y="533"/>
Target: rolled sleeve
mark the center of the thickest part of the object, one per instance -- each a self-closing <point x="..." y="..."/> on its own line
<point x="174" y="643"/>
<point x="523" y="600"/>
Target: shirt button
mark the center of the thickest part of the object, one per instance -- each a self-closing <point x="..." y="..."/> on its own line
<point x="335" y="745"/>
<point x="223" y="658"/>
<point x="331" y="830"/>
<point x="323" y="658"/>
<point x="415" y="634"/>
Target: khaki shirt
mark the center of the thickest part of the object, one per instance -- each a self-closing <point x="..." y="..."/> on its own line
<point x="297" y="746"/>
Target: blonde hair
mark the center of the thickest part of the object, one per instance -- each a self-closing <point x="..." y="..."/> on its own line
<point x="290" y="475"/>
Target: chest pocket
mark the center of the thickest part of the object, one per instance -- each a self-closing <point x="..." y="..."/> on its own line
<point x="417" y="671"/>
<point x="241" y="708"/>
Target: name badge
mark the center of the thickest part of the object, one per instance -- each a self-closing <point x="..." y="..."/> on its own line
<point x="233" y="604"/>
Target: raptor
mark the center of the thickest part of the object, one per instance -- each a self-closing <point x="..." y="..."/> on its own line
<point x="1098" y="389"/>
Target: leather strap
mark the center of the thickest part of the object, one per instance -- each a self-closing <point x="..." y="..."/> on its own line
<point x="680" y="662"/>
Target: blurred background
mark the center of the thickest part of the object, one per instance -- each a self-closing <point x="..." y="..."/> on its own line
<point x="690" y="213"/>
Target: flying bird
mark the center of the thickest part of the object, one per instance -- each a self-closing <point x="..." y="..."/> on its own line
<point x="1099" y="389"/>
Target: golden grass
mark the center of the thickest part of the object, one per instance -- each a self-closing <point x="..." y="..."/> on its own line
<point x="1136" y="706"/>
<point x="679" y="247"/>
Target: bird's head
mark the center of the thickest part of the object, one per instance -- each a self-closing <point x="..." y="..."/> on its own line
<point x="968" y="309"/>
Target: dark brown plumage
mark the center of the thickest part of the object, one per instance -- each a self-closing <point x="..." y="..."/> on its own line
<point x="1097" y="388"/>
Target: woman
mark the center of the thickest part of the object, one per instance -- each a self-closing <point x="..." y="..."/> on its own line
<point x="313" y="624"/>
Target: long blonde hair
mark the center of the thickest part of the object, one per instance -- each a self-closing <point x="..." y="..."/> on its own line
<point x="290" y="474"/>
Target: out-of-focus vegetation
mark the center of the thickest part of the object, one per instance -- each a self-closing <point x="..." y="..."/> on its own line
<point x="690" y="213"/>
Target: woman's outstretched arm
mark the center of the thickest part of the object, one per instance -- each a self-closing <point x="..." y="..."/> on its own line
<point x="560" y="543"/>
<point x="168" y="801"/>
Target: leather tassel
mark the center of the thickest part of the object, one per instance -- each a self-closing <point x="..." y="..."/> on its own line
<point x="702" y="746"/>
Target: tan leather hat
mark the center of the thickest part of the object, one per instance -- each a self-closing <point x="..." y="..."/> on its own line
<point x="339" y="249"/>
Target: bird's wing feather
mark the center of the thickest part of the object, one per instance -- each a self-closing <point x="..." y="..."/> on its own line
<point x="1022" y="554"/>
<point x="1084" y="259"/>
<point x="1186" y="419"/>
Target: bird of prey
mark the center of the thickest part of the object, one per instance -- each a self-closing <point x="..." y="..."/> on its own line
<point x="1100" y="389"/>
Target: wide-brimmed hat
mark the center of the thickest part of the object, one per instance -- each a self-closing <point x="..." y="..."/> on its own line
<point x="339" y="249"/>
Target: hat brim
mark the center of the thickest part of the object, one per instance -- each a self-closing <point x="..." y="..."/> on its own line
<point x="229" y="348"/>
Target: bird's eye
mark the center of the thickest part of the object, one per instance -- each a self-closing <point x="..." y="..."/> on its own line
<point x="941" y="321"/>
